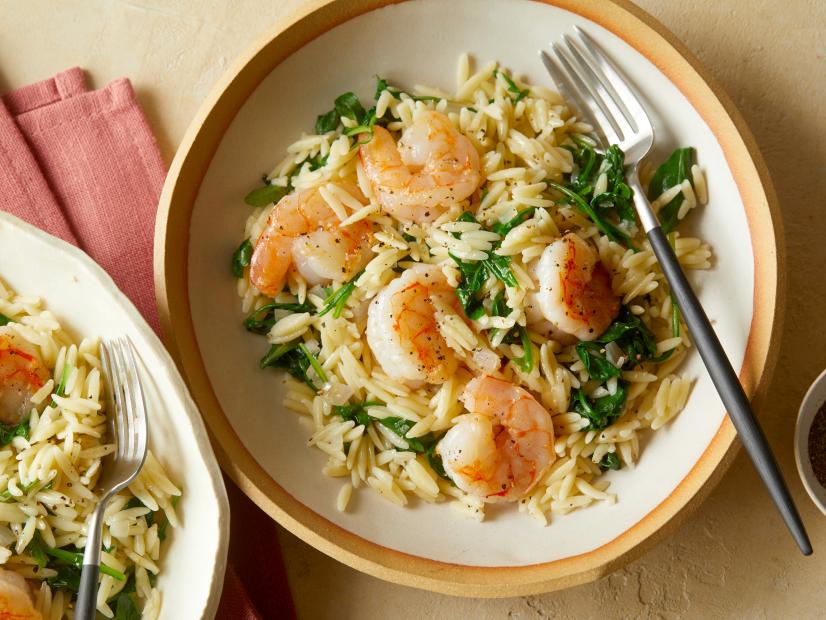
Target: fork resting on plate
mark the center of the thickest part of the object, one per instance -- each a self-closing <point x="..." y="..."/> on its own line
<point x="587" y="76"/>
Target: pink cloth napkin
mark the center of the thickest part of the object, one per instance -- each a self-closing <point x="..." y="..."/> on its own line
<point x="84" y="166"/>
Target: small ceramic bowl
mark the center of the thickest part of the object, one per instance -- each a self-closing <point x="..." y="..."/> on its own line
<point x="814" y="399"/>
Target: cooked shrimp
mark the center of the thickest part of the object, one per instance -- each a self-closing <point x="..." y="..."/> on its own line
<point x="16" y="602"/>
<point x="22" y="373"/>
<point x="503" y="447"/>
<point x="304" y="232"/>
<point x="575" y="294"/>
<point x="432" y="167"/>
<point x="402" y="330"/>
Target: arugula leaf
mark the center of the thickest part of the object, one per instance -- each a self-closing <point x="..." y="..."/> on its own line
<point x="67" y="578"/>
<point x="436" y="464"/>
<point x="673" y="171"/>
<point x="4" y="320"/>
<point x="634" y="338"/>
<point x="268" y="194"/>
<point x="6" y="495"/>
<point x="290" y="358"/>
<point x="602" y="411"/>
<point x="316" y="162"/>
<point x="474" y="275"/>
<point x="425" y="444"/>
<point x="610" y="461"/>
<point x="241" y="258"/>
<point x="525" y="362"/>
<point x="592" y="356"/>
<point x="326" y="122"/>
<point x="499" y="267"/>
<point x="345" y="105"/>
<point x="336" y="300"/>
<point x="8" y="432"/>
<point x="296" y="359"/>
<point x="348" y="105"/>
<point x="37" y="551"/>
<point x="76" y="560"/>
<point x="614" y="205"/>
<point x="262" y="320"/>
<point x="503" y="228"/>
<point x="512" y="87"/>
<point x="382" y="85"/>
<point x="607" y="228"/>
<point x="356" y="411"/>
<point x="313" y="362"/>
<point x="134" y="503"/>
<point x="61" y="386"/>
<point x="126" y="608"/>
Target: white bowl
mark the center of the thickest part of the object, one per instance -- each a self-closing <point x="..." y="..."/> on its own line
<point x="812" y="402"/>
<point x="87" y="302"/>
<point x="263" y="104"/>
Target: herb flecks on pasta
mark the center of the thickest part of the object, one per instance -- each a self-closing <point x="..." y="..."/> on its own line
<point x="468" y="250"/>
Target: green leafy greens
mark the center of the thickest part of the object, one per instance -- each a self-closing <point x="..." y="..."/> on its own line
<point x="382" y="85"/>
<point x="346" y="105"/>
<point x="262" y="320"/>
<point x="4" y="320"/>
<point x="673" y="171"/>
<point x="296" y="359"/>
<point x="610" y="461"/>
<point x="612" y="210"/>
<point x="67" y="563"/>
<point x="9" y="432"/>
<point x="632" y="336"/>
<point x="267" y="194"/>
<point x="336" y="300"/>
<point x="474" y="274"/>
<point x="602" y="411"/>
<point x="512" y="87"/>
<point x="241" y="258"/>
<point x="270" y="193"/>
<point x="426" y="444"/>
<point x="26" y="489"/>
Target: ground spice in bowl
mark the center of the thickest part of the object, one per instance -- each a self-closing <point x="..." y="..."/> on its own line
<point x="817" y="445"/>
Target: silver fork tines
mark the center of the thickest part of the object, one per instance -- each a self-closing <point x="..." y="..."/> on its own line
<point x="588" y="78"/>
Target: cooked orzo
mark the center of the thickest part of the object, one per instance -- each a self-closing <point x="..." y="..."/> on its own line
<point x="52" y="443"/>
<point x="464" y="303"/>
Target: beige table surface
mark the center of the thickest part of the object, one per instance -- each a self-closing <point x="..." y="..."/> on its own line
<point x="733" y="557"/>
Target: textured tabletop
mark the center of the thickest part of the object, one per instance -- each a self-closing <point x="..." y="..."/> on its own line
<point x="732" y="558"/>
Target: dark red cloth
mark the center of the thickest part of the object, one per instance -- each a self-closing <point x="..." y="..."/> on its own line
<point x="84" y="166"/>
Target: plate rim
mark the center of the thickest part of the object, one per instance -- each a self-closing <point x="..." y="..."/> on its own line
<point x="104" y="280"/>
<point x="654" y="41"/>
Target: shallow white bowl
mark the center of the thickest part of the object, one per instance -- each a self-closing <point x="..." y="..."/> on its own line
<point x="812" y="402"/>
<point x="88" y="303"/>
<point x="263" y="104"/>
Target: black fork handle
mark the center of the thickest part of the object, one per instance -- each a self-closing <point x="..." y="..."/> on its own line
<point x="728" y="386"/>
<point x="87" y="593"/>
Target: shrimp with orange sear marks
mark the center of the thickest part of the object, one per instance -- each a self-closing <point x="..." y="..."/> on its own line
<point x="402" y="330"/>
<point x="575" y="300"/>
<point x="431" y="167"/>
<point x="304" y="232"/>
<point x="502" y="448"/>
<point x="16" y="601"/>
<point x="22" y="374"/>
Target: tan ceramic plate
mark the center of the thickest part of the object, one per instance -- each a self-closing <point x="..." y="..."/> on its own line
<point x="272" y="95"/>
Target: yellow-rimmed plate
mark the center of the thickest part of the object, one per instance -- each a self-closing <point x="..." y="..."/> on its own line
<point x="272" y="95"/>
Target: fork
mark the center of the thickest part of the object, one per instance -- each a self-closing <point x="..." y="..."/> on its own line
<point x="587" y="76"/>
<point x="128" y="427"/>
